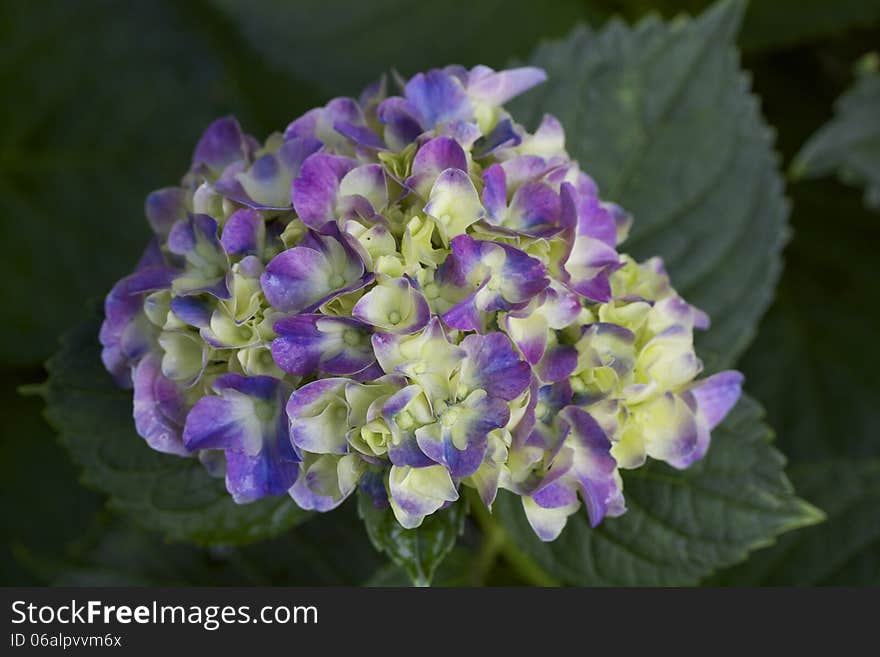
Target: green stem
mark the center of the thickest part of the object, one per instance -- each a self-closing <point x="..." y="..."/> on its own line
<point x="497" y="542"/>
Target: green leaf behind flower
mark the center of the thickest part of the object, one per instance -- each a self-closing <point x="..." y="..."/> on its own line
<point x="170" y="494"/>
<point x="329" y="550"/>
<point x="104" y="103"/>
<point x="418" y="551"/>
<point x="816" y="364"/>
<point x="844" y="551"/>
<point x="849" y="144"/>
<point x="662" y="117"/>
<point x="681" y="525"/>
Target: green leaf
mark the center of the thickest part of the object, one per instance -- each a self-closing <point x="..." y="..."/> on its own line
<point x="30" y="453"/>
<point x="342" y="46"/>
<point x="171" y="494"/>
<point x="455" y="570"/>
<point x="816" y="362"/>
<point x="849" y="144"/>
<point x="845" y="551"/>
<point x="816" y="365"/>
<point x="418" y="551"/>
<point x="109" y="100"/>
<point x="330" y="550"/>
<point x="661" y="116"/>
<point x="681" y="525"/>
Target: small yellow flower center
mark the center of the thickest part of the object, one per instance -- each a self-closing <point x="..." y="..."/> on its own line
<point x="405" y="420"/>
<point x="450" y="417"/>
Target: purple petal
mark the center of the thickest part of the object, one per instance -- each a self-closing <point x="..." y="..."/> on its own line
<point x="492" y="365"/>
<point x="438" y="96"/>
<point x="404" y="449"/>
<point x="495" y="192"/>
<point x="220" y="145"/>
<point x="193" y="310"/>
<point x="505" y="283"/>
<point x="359" y="134"/>
<point x="303" y="278"/>
<point x="243" y="232"/>
<point x="716" y="395"/>
<point x="459" y="441"/>
<point x="163" y="207"/>
<point x="319" y="343"/>
<point x="159" y="408"/>
<point x="316" y="186"/>
<point x="432" y="158"/>
<point x="558" y="363"/>
<point x="271" y="472"/>
<point x="497" y="88"/>
<point x="593" y="466"/>
<point x="247" y="419"/>
<point x="402" y="124"/>
<point x="503" y="135"/>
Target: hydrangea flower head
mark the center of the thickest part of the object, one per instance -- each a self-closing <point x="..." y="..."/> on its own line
<point x="412" y="294"/>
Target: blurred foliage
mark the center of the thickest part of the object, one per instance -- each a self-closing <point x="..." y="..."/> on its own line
<point x="418" y="551"/>
<point x="850" y="143"/>
<point x="167" y="493"/>
<point x="108" y="101"/>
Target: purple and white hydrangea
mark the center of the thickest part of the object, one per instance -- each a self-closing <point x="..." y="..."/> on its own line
<point x="408" y="294"/>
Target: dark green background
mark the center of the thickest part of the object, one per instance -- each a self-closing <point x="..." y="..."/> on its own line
<point x="103" y="102"/>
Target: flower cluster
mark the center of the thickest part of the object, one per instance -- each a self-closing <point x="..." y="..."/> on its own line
<point x="409" y="294"/>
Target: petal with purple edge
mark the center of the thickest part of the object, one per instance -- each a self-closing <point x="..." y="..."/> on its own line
<point x="558" y="362"/>
<point x="316" y="187"/>
<point x="534" y="209"/>
<point x="505" y="277"/>
<point x="460" y="437"/>
<point x="404" y="412"/>
<point x="496" y="88"/>
<point x="548" y="523"/>
<point x="529" y="334"/>
<point x="304" y="277"/>
<point x="326" y="480"/>
<point x="359" y="134"/>
<point x="593" y="465"/>
<point x="503" y="135"/>
<point x="418" y="492"/>
<point x="716" y="395"/>
<point x="588" y="267"/>
<point x="495" y="192"/>
<point x="317" y="343"/>
<point x="159" y="408"/>
<point x="670" y="429"/>
<point x="402" y="125"/>
<point x="434" y="157"/>
<point x="369" y="182"/>
<point x="454" y="203"/>
<point x="437" y="97"/>
<point x="320" y="123"/>
<point x="163" y="207"/>
<point x="193" y="310"/>
<point x="125" y="333"/>
<point x="243" y="233"/>
<point x="318" y="415"/>
<point x="492" y="365"/>
<point x="393" y="306"/>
